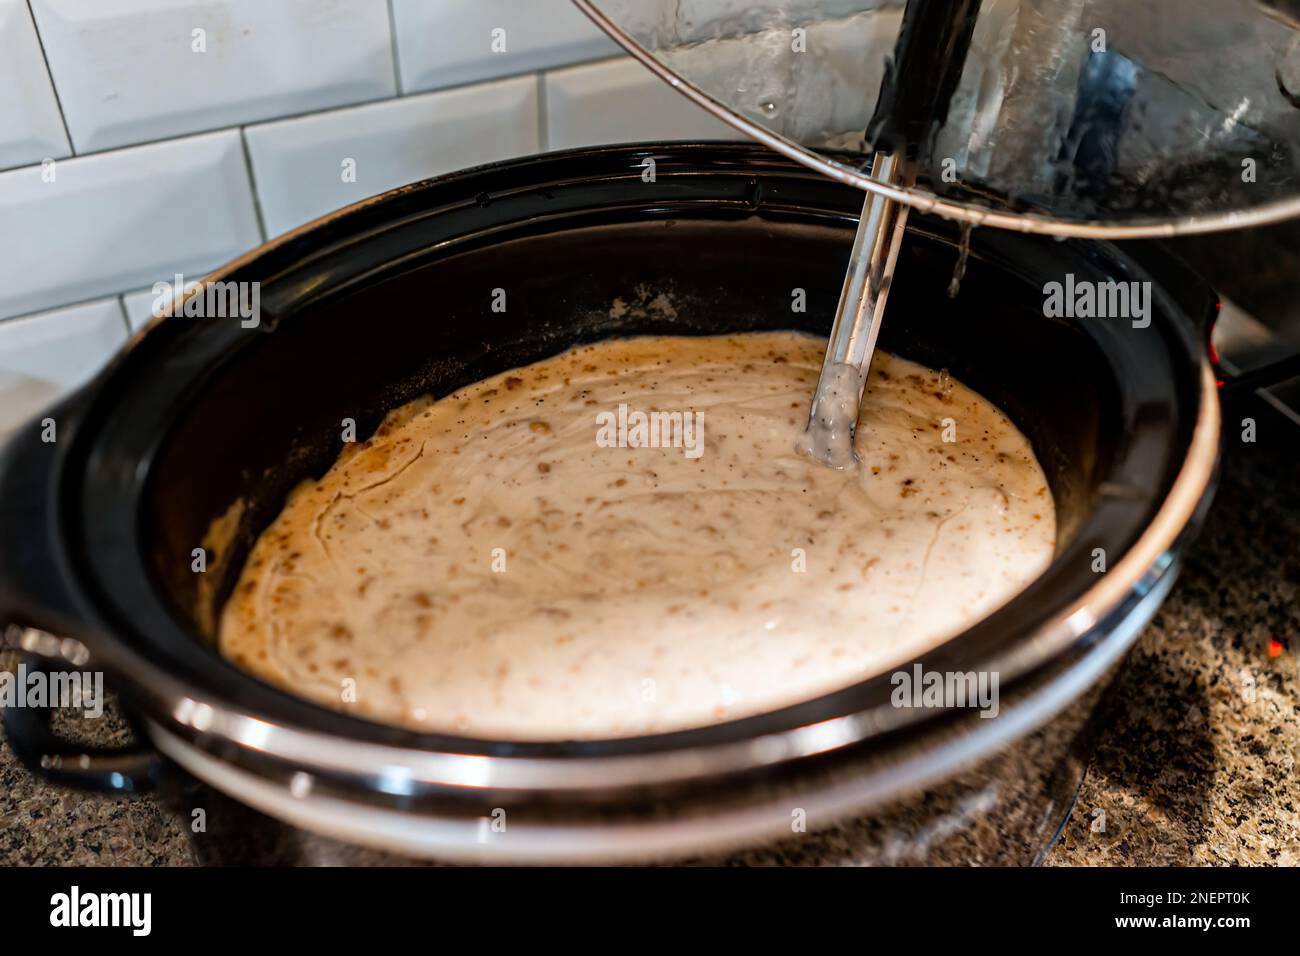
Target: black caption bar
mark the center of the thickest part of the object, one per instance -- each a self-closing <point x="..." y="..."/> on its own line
<point x="337" y="905"/>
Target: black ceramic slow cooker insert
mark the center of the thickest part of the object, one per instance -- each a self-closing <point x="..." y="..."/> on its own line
<point x="389" y="299"/>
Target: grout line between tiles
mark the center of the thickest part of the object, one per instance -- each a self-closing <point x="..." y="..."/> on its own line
<point x="126" y="319"/>
<point x="392" y="39"/>
<point x="54" y="86"/>
<point x="252" y="184"/>
<point x="60" y="306"/>
<point x="543" y="115"/>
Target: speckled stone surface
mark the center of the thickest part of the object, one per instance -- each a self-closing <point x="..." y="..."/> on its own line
<point x="44" y="824"/>
<point x="1200" y="759"/>
<point x="1197" y="760"/>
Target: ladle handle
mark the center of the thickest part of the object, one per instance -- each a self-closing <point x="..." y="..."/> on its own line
<point x="929" y="54"/>
<point x="870" y="272"/>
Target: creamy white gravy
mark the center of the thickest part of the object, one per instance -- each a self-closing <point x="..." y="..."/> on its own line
<point x="495" y="564"/>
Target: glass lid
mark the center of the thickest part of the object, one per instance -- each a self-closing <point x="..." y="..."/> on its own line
<point x="1070" y="117"/>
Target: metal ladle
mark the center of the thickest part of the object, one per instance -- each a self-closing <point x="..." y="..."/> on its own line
<point x="913" y="103"/>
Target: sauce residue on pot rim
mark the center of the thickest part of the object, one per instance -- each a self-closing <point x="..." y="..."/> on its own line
<point x="622" y="540"/>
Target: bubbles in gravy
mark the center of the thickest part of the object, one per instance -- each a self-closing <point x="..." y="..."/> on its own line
<point x="622" y="540"/>
<point x="828" y="438"/>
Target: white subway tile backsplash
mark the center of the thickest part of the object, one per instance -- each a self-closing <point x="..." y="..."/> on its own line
<point x="447" y="42"/>
<point x="128" y="71"/>
<point x="118" y="220"/>
<point x="31" y="128"/>
<point x="620" y="101"/>
<point x="139" y="305"/>
<point x="45" y="355"/>
<point x="302" y="166"/>
<point x="95" y="225"/>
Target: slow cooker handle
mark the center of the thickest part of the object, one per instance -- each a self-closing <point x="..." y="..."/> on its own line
<point x="38" y="600"/>
<point x="35" y="584"/>
<point x="133" y="768"/>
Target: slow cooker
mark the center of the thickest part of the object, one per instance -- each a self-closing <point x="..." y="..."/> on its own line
<point x="389" y="299"/>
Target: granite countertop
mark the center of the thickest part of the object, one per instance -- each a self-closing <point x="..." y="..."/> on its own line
<point x="1198" y="762"/>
